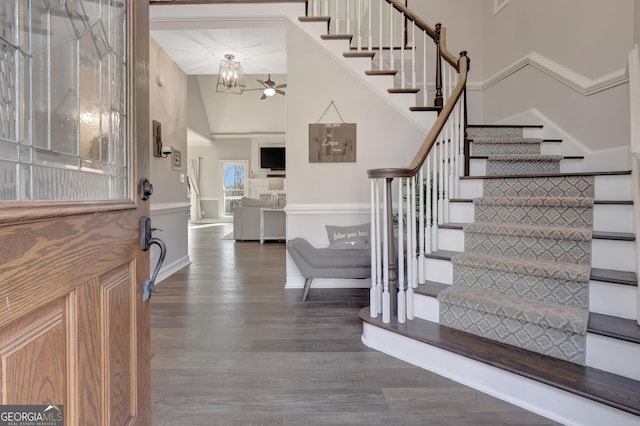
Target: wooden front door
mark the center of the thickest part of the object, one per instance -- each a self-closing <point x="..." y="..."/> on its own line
<point x="74" y="132"/>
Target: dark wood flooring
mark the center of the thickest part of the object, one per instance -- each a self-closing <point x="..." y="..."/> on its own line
<point x="231" y="347"/>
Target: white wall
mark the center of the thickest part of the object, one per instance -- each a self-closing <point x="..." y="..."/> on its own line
<point x="320" y="194"/>
<point x="583" y="41"/>
<point x="169" y="207"/>
<point x="197" y="119"/>
<point x="636" y="21"/>
<point x="243" y="113"/>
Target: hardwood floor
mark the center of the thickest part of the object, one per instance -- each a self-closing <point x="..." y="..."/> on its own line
<point x="231" y="347"/>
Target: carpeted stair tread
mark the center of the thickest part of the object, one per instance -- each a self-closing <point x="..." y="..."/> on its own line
<point x="533" y="231"/>
<point x="494" y="132"/>
<point x="524" y="310"/>
<point x="557" y="270"/>
<point x="514" y="146"/>
<point x="497" y="141"/>
<point x="570" y="202"/>
<point x="526" y="157"/>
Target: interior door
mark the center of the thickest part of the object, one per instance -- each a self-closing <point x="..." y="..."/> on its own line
<point x="74" y="132"/>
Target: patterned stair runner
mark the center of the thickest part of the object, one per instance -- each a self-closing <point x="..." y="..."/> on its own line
<point x="523" y="278"/>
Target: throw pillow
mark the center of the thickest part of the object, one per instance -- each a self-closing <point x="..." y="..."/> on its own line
<point x="349" y="237"/>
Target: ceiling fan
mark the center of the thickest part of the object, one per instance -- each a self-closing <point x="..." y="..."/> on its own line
<point x="270" y="88"/>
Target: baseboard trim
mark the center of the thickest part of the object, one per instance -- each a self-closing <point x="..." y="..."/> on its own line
<point x="172" y="268"/>
<point x="325" y="209"/>
<point x="298" y="282"/>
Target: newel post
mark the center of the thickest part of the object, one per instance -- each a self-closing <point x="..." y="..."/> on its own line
<point x="438" y="101"/>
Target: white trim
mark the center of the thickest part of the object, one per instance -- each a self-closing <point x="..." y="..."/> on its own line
<point x="296" y="281"/>
<point x="498" y="5"/>
<point x="326" y="209"/>
<point x="171" y="269"/>
<point x="570" y="78"/>
<point x="564" y="407"/>
<point x="168" y="208"/>
<point x="634" y="95"/>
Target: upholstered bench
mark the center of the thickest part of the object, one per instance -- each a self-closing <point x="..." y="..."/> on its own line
<point x="328" y="262"/>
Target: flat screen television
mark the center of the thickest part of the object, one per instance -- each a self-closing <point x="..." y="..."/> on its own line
<point x="272" y="158"/>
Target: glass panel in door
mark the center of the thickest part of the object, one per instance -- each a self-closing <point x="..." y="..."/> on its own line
<point x="63" y="113"/>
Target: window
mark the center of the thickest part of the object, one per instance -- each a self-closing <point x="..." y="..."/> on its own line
<point x="234" y="174"/>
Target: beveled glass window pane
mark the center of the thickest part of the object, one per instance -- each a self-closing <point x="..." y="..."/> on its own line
<point x="62" y="87"/>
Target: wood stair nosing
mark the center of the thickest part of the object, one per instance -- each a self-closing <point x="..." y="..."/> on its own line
<point x="597" y="385"/>
<point x="410" y="90"/>
<point x="314" y="18"/>
<point x="347" y="37"/>
<point x="426" y="108"/>
<point x="358" y="54"/>
<point x="381" y="72"/>
<point x="614" y="236"/>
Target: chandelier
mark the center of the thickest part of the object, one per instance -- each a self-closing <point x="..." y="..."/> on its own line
<point x="230" y="78"/>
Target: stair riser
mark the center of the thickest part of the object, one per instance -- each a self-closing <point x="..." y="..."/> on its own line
<point x="439" y="271"/>
<point x="606" y="188"/>
<point x="568" y="293"/>
<point x="478" y="167"/>
<point x="504" y="148"/>
<point x="556" y="343"/>
<point x="611" y="254"/>
<point x="534" y="248"/>
<point x="577" y="217"/>
<point x="613" y="355"/>
<point x="613" y="299"/>
<point x="606" y="217"/>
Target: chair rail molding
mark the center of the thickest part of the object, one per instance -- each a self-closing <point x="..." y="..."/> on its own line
<point x="568" y="77"/>
<point x="326" y="209"/>
<point x="169" y="208"/>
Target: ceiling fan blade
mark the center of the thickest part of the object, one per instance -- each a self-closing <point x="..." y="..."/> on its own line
<point x="263" y="97"/>
<point x="280" y="92"/>
<point x="262" y="82"/>
<point x="281" y="86"/>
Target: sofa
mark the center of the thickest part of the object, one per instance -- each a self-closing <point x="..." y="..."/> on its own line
<point x="246" y="220"/>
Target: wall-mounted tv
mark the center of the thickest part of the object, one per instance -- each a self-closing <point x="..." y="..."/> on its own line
<point x="272" y="157"/>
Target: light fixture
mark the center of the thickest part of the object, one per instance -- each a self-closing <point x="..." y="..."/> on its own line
<point x="269" y="91"/>
<point x="230" y="78"/>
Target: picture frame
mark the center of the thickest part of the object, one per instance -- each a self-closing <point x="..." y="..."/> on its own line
<point x="332" y="143"/>
<point x="176" y="159"/>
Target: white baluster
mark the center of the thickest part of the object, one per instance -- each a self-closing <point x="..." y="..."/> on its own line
<point x="412" y="255"/>
<point x="428" y="208"/>
<point x="413" y="55"/>
<point x="386" y="296"/>
<point x="380" y="49"/>
<point x="336" y="17"/>
<point x="421" y="215"/>
<point x="348" y="18"/>
<point x="359" y="18"/>
<point x="401" y="263"/>
<point x="435" y="210"/>
<point x="402" y="44"/>
<point x="391" y="62"/>
<point x="373" y="293"/>
<point x="370" y="32"/>
<point x="379" y="271"/>
<point x="425" y="101"/>
<point x="325" y="9"/>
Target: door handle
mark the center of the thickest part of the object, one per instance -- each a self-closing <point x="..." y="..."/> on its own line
<point x="146" y="241"/>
